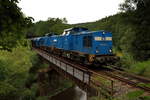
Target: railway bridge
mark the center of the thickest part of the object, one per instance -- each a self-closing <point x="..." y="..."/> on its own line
<point x="81" y="75"/>
<point x="113" y="82"/>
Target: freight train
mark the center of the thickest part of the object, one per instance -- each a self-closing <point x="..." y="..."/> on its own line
<point x="79" y="44"/>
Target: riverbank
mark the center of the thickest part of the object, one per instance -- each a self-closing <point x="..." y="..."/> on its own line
<point x="67" y="85"/>
<point x="73" y="93"/>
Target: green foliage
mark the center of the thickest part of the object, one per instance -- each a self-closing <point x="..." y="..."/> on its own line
<point x="52" y="25"/>
<point x="14" y="68"/>
<point x="141" y="68"/>
<point x="30" y="94"/>
<point x="66" y="84"/>
<point x="127" y="61"/>
<point x="6" y="88"/>
<point x="144" y="85"/>
<point x="140" y="10"/>
<point x="134" y="95"/>
<point x="95" y="98"/>
<point x="146" y="98"/>
<point x="12" y="24"/>
<point x="42" y="98"/>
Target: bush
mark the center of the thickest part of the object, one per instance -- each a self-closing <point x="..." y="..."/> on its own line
<point x="126" y="61"/>
<point x="141" y="68"/>
<point x="14" y="68"/>
<point x="134" y="95"/>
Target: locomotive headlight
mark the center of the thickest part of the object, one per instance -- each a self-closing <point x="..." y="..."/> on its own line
<point x="110" y="50"/>
<point x="97" y="51"/>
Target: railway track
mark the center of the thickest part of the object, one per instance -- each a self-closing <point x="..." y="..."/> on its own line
<point x="111" y="73"/>
<point x="130" y="79"/>
<point x="132" y="76"/>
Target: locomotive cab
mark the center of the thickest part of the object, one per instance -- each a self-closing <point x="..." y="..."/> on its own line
<point x="103" y="43"/>
<point x="103" y="47"/>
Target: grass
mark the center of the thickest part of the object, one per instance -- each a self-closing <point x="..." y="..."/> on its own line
<point x="141" y="68"/>
<point x="129" y="64"/>
<point x="103" y="80"/>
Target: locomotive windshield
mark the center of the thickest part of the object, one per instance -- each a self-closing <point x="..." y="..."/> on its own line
<point x="87" y="41"/>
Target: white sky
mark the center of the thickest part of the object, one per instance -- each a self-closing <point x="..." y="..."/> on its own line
<point x="75" y="11"/>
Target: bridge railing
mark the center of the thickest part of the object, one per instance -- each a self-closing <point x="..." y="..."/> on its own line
<point x="77" y="72"/>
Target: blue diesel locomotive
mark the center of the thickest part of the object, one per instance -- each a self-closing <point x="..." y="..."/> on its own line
<point x="90" y="47"/>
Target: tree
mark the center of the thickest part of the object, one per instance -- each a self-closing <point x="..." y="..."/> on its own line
<point x="14" y="73"/>
<point x="12" y="23"/>
<point x="52" y="25"/>
<point x="140" y="10"/>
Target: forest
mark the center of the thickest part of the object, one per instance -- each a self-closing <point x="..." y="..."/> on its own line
<point x="131" y="39"/>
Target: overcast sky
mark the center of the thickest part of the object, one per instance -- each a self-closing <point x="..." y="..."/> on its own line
<point x="75" y="11"/>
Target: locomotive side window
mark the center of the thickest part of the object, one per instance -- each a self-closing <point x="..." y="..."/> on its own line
<point x="87" y="41"/>
<point x="41" y="41"/>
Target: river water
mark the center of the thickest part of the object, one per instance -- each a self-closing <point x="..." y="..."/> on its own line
<point x="74" y="93"/>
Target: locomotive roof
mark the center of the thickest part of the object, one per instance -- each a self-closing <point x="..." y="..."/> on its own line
<point x="76" y="29"/>
<point x="90" y="32"/>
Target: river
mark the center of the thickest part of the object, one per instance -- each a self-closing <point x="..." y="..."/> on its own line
<point x="74" y="93"/>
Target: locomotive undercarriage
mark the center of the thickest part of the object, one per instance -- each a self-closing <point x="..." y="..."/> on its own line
<point x="81" y="57"/>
